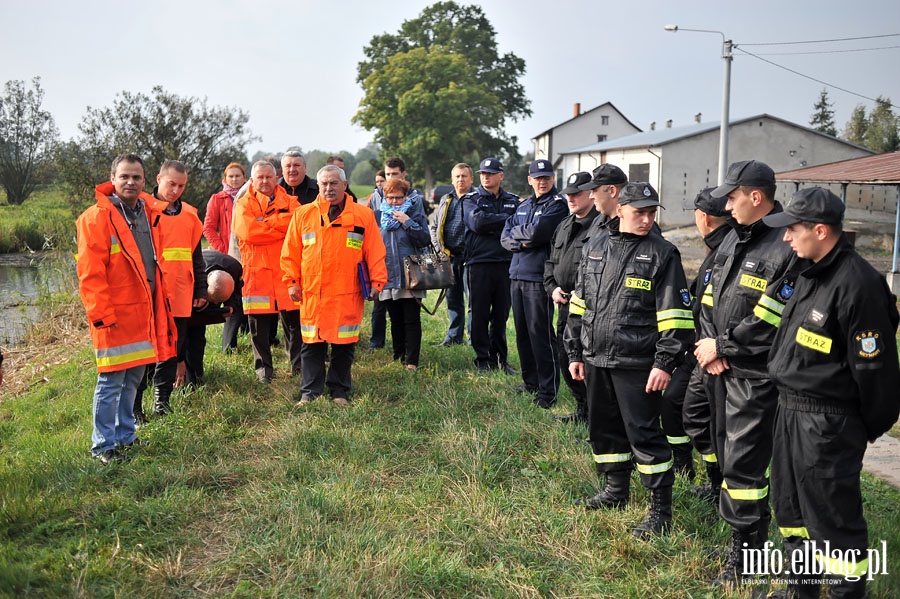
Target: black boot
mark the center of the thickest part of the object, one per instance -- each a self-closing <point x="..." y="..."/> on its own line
<point x="710" y="491"/>
<point x="659" y="517"/>
<point x="614" y="495"/>
<point x="138" y="410"/>
<point x="732" y="573"/>
<point x="802" y="586"/>
<point x="161" y="405"/>
<point x="683" y="458"/>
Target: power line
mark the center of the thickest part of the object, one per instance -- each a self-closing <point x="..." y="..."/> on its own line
<point x="775" y="64"/>
<point x="843" y="39"/>
<point x="825" y="51"/>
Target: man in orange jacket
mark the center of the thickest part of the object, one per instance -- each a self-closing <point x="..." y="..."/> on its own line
<point x="325" y="244"/>
<point x="184" y="272"/>
<point x="122" y="291"/>
<point x="261" y="219"/>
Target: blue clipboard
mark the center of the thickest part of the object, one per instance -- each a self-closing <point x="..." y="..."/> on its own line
<point x="365" y="282"/>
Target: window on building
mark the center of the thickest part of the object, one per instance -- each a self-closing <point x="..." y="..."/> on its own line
<point x="604" y="120"/>
<point x="601" y="138"/>
<point x="639" y="172"/>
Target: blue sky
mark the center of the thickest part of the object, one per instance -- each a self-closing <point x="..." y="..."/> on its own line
<point x="292" y="64"/>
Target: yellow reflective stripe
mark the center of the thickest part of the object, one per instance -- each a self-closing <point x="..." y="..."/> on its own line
<point x="638" y="283"/>
<point x="678" y="440"/>
<point x="308" y="238"/>
<point x="256" y="302"/>
<point x="773" y="305"/>
<point x="654" y="468"/>
<point x="709" y="458"/>
<point x="753" y="282"/>
<point x="308" y="331"/>
<point x="839" y="567"/>
<point x="746" y="494"/>
<point x="577" y="306"/>
<point x="612" y="458"/>
<point x="177" y="254"/>
<point x="348" y="331"/>
<point x="797" y="531"/>
<point x="121" y="354"/>
<point x="675" y="319"/>
<point x="708" y="299"/>
<point x="813" y="341"/>
<point x="766" y="316"/>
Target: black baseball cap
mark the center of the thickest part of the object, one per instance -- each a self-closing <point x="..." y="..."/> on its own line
<point x="575" y="181"/>
<point x="813" y="205"/>
<point x="704" y="202"/>
<point x="540" y="168"/>
<point x="605" y="174"/>
<point x="752" y="173"/>
<point x="490" y="165"/>
<point x="639" y="195"/>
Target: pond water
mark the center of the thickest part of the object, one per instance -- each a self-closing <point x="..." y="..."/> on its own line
<point x="23" y="278"/>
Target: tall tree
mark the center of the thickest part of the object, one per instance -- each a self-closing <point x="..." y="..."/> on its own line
<point x="881" y="134"/>
<point x="462" y="39"/>
<point x="855" y="129"/>
<point x="28" y="136"/>
<point x="823" y="117"/>
<point x="157" y="127"/>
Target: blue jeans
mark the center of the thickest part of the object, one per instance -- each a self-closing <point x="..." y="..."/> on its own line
<point x="456" y="304"/>
<point x="113" y="405"/>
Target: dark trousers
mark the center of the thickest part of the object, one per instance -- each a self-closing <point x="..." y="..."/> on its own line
<point x="193" y="354"/>
<point x="232" y="326"/>
<point x="695" y="412"/>
<point x="456" y="301"/>
<point x="379" y="324"/>
<point x="490" y="302"/>
<point x="162" y="374"/>
<point x="577" y="388"/>
<point x="406" y="329"/>
<point x="337" y="379"/>
<point x="816" y="460"/>
<point x="624" y="424"/>
<point x="672" y="407"/>
<point x="743" y="415"/>
<point x="535" y="338"/>
<point x="261" y="328"/>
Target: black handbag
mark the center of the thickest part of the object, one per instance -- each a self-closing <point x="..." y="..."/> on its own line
<point x="428" y="270"/>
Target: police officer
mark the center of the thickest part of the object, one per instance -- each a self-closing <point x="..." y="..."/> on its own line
<point x="559" y="277"/>
<point x="834" y="361"/>
<point x="527" y="234"/>
<point x="632" y="297"/>
<point x="485" y="212"/>
<point x="751" y="279"/>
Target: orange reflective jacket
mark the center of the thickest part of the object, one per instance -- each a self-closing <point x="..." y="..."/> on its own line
<point x="180" y="233"/>
<point x="321" y="257"/>
<point x="129" y="326"/>
<point x="260" y="227"/>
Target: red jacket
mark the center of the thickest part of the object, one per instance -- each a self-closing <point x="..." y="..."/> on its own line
<point x="217" y="224"/>
<point x="129" y="325"/>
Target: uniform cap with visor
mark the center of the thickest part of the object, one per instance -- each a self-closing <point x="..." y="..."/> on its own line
<point x="751" y="173"/>
<point x="575" y="181"/>
<point x="490" y="165"/>
<point x="605" y="174"/>
<point x="811" y="205"/>
<point x="639" y="195"/>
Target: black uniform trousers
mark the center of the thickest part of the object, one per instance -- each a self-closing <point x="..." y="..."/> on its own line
<point x="672" y="407"/>
<point x="742" y="420"/>
<point x="816" y="461"/>
<point x="490" y="301"/>
<point x="232" y="326"/>
<point x="536" y="339"/>
<point x="623" y="421"/>
<point x="162" y="374"/>
<point x="577" y="388"/>
<point x="337" y="378"/>
<point x="193" y="354"/>
<point x="406" y="328"/>
<point x="379" y="324"/>
<point x="695" y="411"/>
<point x="261" y="327"/>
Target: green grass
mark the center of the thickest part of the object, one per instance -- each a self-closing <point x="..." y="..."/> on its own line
<point x="437" y="484"/>
<point x="45" y="221"/>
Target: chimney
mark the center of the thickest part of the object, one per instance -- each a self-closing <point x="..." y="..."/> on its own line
<point x="577" y="108"/>
<point x="669" y="124"/>
<point x="697" y="117"/>
<point x="653" y="126"/>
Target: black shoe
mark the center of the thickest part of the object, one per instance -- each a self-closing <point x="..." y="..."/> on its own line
<point x="659" y="516"/>
<point x="544" y="403"/>
<point x="139" y="418"/>
<point x="614" y="495"/>
<point x="576" y="417"/>
<point x="507" y="369"/>
<point x="374" y="346"/>
<point x="482" y="367"/>
<point x="110" y="456"/>
<point x="161" y="405"/>
<point x="524" y="389"/>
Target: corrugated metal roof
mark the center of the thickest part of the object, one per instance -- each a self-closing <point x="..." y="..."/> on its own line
<point x="883" y="169"/>
<point x="648" y="138"/>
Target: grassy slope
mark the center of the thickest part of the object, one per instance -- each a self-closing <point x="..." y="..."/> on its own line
<point x="441" y="483"/>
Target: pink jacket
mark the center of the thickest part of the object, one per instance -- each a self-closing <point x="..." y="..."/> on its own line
<point x="217" y="224"/>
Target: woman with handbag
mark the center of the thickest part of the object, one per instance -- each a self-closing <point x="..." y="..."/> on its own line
<point x="404" y="230"/>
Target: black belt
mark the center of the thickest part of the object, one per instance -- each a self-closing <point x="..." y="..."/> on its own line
<point x="792" y="399"/>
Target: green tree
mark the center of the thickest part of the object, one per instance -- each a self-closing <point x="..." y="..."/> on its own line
<point x="363" y="174"/>
<point x="454" y="112"/>
<point x="823" y="118"/>
<point x="881" y="134"/>
<point x="28" y="136"/>
<point x="157" y="127"/>
<point x="855" y="129"/>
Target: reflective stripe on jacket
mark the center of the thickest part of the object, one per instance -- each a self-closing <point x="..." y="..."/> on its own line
<point x="179" y="234"/>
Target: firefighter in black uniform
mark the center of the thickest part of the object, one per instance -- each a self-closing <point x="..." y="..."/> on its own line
<point x="629" y="323"/>
<point x="834" y="361"/>
<point x="559" y="277"/>
<point x="485" y="211"/>
<point x="752" y="278"/>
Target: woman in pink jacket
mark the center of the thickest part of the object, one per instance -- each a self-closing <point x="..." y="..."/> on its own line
<point x="219" y="210"/>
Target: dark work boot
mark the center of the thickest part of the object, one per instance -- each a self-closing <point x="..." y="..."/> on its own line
<point x="138" y="410"/>
<point x="801" y="586"/>
<point x="710" y="491"/>
<point x="732" y="573"/>
<point x="161" y="405"/>
<point x="614" y="494"/>
<point x="659" y="517"/>
<point x="683" y="458"/>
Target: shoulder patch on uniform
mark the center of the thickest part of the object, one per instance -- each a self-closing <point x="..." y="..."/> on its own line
<point x="868" y="344"/>
<point x="707" y="275"/>
<point x="685" y="297"/>
<point x="817" y="316"/>
<point x="786" y="290"/>
<point x="750" y="265"/>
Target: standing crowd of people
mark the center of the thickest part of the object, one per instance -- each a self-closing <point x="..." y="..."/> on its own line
<point x="777" y="362"/>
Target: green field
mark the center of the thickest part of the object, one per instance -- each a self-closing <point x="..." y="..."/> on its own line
<point x="435" y="484"/>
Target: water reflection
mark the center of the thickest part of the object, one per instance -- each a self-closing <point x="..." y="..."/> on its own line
<point x="23" y="279"/>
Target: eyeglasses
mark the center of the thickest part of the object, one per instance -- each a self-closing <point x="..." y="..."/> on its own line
<point x="395" y="198"/>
